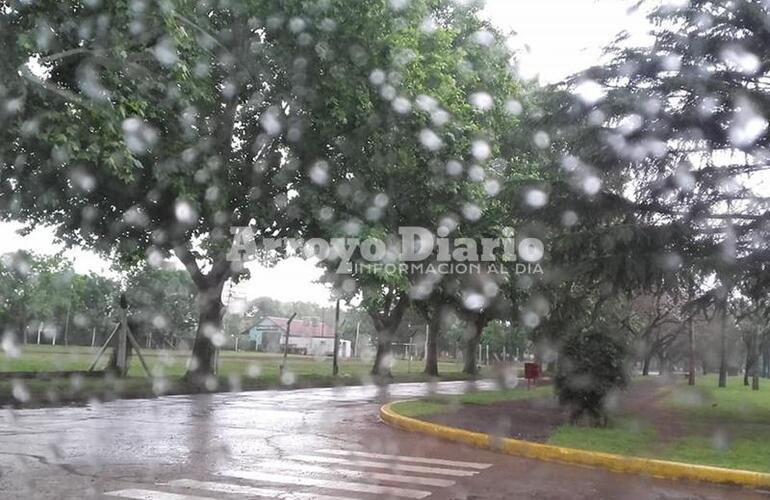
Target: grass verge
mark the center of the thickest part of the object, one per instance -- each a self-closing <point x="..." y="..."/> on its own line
<point x="704" y="425"/>
<point x="238" y="371"/>
<point x="445" y="403"/>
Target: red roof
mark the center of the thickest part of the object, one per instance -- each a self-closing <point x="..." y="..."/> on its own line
<point x="303" y="327"/>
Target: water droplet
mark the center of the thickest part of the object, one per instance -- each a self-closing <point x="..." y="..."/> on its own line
<point x="483" y="37"/>
<point x="401" y="105"/>
<point x="20" y="391"/>
<point x="739" y="59"/>
<point x="531" y="249"/>
<point x="476" y="173"/>
<point x="513" y="107"/>
<point x="590" y="92"/>
<point x="319" y="172"/>
<point x="165" y="52"/>
<point x="480" y="149"/>
<point x="569" y="218"/>
<point x="139" y="136"/>
<point x="536" y="198"/>
<point x="474" y="301"/>
<point x="377" y="77"/>
<point x="430" y="140"/>
<point x="482" y="101"/>
<point x="591" y="184"/>
<point x="747" y="125"/>
<point x="492" y="187"/>
<point x="472" y="212"/>
<point x="541" y="139"/>
<point x="426" y="103"/>
<point x="270" y="121"/>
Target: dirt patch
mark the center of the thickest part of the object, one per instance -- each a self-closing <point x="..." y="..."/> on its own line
<point x="532" y="420"/>
<point x="537" y="419"/>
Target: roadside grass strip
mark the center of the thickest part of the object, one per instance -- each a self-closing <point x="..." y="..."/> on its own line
<point x="613" y="462"/>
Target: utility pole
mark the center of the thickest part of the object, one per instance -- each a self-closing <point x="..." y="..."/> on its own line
<point x="121" y="362"/>
<point x="691" y="337"/>
<point x="355" y="348"/>
<point x="67" y="324"/>
<point x="723" y="347"/>
<point x="755" y="363"/>
<point x="286" y="343"/>
<point x="335" y="362"/>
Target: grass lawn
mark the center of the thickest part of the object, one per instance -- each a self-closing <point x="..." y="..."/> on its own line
<point x="444" y="404"/>
<point x="704" y="425"/>
<point x="237" y="371"/>
<point x="727" y="427"/>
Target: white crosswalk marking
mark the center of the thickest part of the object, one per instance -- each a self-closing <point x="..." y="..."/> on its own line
<point x="384" y="465"/>
<point x="401" y="458"/>
<point x="326" y="475"/>
<point x="250" y="490"/>
<point x="153" y="495"/>
<point x="327" y="483"/>
<point x="355" y="474"/>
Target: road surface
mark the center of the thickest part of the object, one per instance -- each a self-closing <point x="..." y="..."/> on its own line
<point x="324" y="444"/>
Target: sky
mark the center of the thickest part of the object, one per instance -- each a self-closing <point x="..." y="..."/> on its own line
<point x="553" y="39"/>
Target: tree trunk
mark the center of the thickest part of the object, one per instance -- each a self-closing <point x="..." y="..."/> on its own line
<point x="766" y="362"/>
<point x="381" y="365"/>
<point x="646" y="364"/>
<point x="755" y="364"/>
<point x="472" y="346"/>
<point x="723" y="349"/>
<point x="210" y="309"/>
<point x="747" y="368"/>
<point x="691" y="352"/>
<point x="431" y="352"/>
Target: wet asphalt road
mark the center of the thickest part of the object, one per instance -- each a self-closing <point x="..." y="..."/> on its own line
<point x="322" y="444"/>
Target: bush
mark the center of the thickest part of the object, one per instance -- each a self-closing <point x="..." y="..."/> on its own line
<point x="592" y="364"/>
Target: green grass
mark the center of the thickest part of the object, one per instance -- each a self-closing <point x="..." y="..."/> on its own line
<point x="727" y="427"/>
<point x="420" y="408"/>
<point x="743" y="453"/>
<point x="736" y="401"/>
<point x="723" y="427"/>
<point x="491" y="397"/>
<point x="626" y="437"/>
<point x="237" y="371"/>
<point x="445" y="404"/>
<point x="166" y="363"/>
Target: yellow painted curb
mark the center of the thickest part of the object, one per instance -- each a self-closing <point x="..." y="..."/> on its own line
<point x="616" y="463"/>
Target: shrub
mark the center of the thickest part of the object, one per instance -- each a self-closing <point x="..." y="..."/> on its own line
<point x="592" y="364"/>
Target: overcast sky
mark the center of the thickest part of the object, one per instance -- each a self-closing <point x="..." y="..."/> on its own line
<point x="554" y="38"/>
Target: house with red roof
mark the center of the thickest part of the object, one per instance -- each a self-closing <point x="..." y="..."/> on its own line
<point x="307" y="336"/>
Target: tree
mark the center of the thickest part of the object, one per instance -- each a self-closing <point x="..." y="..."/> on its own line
<point x="162" y="306"/>
<point x="674" y="131"/>
<point x="417" y="123"/>
<point x="44" y="293"/>
<point x="149" y="135"/>
<point x="591" y="367"/>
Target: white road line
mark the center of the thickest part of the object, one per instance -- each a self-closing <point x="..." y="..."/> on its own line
<point x="353" y="474"/>
<point x="401" y="458"/>
<point x="384" y="465"/>
<point x="239" y="489"/>
<point x="153" y="495"/>
<point x="326" y="483"/>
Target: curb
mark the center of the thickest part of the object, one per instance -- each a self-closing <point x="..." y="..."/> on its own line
<point x="616" y="463"/>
